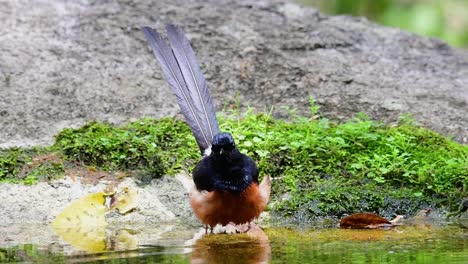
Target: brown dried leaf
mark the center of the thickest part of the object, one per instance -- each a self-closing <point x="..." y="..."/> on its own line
<point x="365" y="221"/>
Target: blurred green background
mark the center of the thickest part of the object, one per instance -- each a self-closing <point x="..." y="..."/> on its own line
<point x="446" y="20"/>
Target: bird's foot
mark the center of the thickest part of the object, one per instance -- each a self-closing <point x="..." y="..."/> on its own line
<point x="235" y="229"/>
<point x="230" y="229"/>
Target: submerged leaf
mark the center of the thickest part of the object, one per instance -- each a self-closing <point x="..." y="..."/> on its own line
<point x="365" y="221"/>
<point x="124" y="240"/>
<point x="90" y="239"/>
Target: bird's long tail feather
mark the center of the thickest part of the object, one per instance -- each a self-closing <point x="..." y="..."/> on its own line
<point x="182" y="72"/>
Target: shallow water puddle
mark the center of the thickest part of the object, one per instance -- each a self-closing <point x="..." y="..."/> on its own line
<point x="182" y="244"/>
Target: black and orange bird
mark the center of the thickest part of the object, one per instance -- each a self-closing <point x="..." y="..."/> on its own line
<point x="227" y="190"/>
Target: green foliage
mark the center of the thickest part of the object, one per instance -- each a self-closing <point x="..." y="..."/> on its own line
<point x="11" y="161"/>
<point x="332" y="169"/>
<point x="29" y="165"/>
<point x="157" y="146"/>
<point x="46" y="170"/>
<point x="446" y="20"/>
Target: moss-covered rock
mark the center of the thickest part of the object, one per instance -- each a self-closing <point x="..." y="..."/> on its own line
<point x="320" y="168"/>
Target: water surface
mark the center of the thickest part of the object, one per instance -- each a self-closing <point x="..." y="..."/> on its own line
<point x="182" y="244"/>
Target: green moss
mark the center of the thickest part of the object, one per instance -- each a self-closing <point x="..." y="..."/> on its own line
<point x="156" y="146"/>
<point x="11" y="162"/>
<point x="30" y="165"/>
<point x="43" y="170"/>
<point x="320" y="168"/>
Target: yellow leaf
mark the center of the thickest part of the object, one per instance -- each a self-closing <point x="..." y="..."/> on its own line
<point x="86" y="211"/>
<point x="126" y="200"/>
<point x="83" y="223"/>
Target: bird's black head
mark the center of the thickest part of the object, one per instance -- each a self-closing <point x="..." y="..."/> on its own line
<point x="223" y="144"/>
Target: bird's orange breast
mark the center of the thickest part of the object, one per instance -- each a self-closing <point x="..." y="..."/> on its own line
<point x="222" y="207"/>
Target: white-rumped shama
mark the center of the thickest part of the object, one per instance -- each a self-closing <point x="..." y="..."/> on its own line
<point x="227" y="189"/>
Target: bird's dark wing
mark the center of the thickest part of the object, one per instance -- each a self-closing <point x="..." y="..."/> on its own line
<point x="184" y="76"/>
<point x="204" y="175"/>
<point x="250" y="168"/>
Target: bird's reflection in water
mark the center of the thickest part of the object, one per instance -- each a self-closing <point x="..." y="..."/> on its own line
<point x="250" y="247"/>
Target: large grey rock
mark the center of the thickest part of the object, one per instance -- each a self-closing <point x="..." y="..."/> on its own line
<point x="63" y="63"/>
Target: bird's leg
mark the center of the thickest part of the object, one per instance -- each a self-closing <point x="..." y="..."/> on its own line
<point x="211" y="229"/>
<point x="206" y="229"/>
